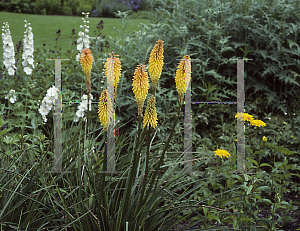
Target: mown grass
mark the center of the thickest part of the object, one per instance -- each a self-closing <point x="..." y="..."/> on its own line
<point x="44" y="28"/>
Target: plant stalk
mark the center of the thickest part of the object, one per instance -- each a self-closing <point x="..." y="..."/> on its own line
<point x="163" y="153"/>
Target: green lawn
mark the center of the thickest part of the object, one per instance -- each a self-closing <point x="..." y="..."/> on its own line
<point x="44" y="28"/>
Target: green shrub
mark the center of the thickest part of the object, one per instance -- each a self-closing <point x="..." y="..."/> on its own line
<point x="48" y="7"/>
<point x="83" y="6"/>
<point x="107" y="8"/>
<point x="67" y="9"/>
<point x="23" y="6"/>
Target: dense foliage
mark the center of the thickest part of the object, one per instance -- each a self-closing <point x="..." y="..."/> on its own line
<point x="100" y="8"/>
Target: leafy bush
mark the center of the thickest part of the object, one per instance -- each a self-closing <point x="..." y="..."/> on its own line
<point x="17" y="6"/>
<point x="216" y="35"/>
<point x="107" y="8"/>
<point x="48" y="7"/>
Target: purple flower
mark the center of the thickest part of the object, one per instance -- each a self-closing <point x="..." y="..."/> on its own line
<point x="95" y="11"/>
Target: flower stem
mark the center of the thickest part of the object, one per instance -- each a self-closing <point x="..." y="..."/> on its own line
<point x="164" y="150"/>
<point x="85" y="143"/>
<point x="144" y="180"/>
<point x="102" y="193"/>
<point x="132" y="175"/>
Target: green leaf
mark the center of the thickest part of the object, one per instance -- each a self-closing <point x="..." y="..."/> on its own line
<point x="214" y="217"/>
<point x="252" y="161"/>
<point x="260" y="188"/>
<point x="246" y="219"/>
<point x="249" y="189"/>
<point x="250" y="150"/>
<point x="286" y="151"/>
<point x="267" y="201"/>
<point x="258" y="152"/>
<point x="265" y="164"/>
<point x="238" y="177"/>
<point x="205" y="210"/>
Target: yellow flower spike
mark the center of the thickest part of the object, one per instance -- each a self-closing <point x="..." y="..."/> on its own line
<point x="222" y="153"/>
<point x="182" y="76"/>
<point x="140" y="86"/>
<point x="156" y="63"/>
<point x="86" y="61"/>
<point x="150" y="113"/>
<point x="265" y="139"/>
<point x="105" y="111"/>
<point x="113" y="71"/>
<point x="187" y="71"/>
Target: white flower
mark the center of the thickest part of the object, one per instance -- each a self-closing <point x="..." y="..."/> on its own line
<point x="27" y="55"/>
<point x="84" y="97"/>
<point x="49" y="99"/>
<point x="25" y="63"/>
<point x="11" y="96"/>
<point x="83" y="41"/>
<point x="30" y="60"/>
<point x="78" y="57"/>
<point x="83" y="106"/>
<point x="80" y="113"/>
<point x="11" y="71"/>
<point x="8" y="50"/>
<point x="79" y="46"/>
<point x="43" y="111"/>
<point x="52" y="92"/>
<point x="87" y="45"/>
<point x="28" y="70"/>
<point x="6" y="62"/>
<point x="30" y="34"/>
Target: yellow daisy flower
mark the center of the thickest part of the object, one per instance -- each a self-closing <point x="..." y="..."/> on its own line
<point x="265" y="139"/>
<point x="244" y="116"/>
<point x="257" y="123"/>
<point x="222" y="153"/>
